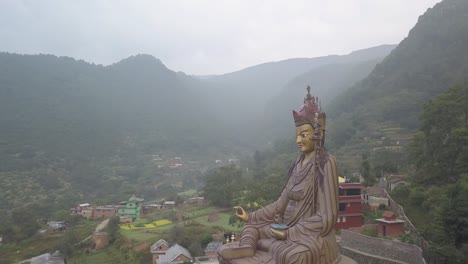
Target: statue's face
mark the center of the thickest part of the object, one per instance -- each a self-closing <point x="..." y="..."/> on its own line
<point x="304" y="138"/>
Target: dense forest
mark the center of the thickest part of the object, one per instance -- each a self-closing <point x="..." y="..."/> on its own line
<point x="439" y="189"/>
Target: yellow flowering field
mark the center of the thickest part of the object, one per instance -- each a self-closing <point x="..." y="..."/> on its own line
<point x="154" y="224"/>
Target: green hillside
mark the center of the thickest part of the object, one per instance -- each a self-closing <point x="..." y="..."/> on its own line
<point x="432" y="58"/>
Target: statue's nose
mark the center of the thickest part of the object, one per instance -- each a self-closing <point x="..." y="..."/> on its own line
<point x="298" y="139"/>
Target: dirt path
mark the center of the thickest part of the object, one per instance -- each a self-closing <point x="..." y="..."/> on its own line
<point x="99" y="227"/>
<point x="102" y="225"/>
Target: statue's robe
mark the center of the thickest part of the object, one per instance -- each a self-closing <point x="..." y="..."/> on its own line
<point x="309" y="200"/>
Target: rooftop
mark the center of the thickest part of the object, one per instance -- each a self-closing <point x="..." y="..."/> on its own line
<point x="172" y="253"/>
<point x="154" y="248"/>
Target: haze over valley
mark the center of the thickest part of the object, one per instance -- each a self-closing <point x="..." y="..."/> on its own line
<point x="73" y="131"/>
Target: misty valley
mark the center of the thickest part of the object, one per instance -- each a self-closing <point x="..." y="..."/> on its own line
<point x="118" y="163"/>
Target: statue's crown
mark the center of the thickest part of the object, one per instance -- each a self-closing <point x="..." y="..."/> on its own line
<point x="311" y="114"/>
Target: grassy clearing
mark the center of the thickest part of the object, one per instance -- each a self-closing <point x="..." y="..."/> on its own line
<point x="108" y="255"/>
<point x="142" y="235"/>
<point x="188" y="193"/>
<point x="222" y="222"/>
<point x="41" y="243"/>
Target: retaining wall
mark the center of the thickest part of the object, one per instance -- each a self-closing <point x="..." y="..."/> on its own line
<point x="397" y="252"/>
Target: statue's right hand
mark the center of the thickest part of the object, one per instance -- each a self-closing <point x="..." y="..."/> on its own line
<point x="241" y="213"/>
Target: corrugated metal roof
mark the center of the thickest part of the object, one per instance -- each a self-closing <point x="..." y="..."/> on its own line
<point x="213" y="246"/>
<point x="48" y="259"/>
<point x="158" y="243"/>
<point x="176" y="250"/>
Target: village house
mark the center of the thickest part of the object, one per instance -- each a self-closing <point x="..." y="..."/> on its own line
<point x="212" y="249"/>
<point x="56" y="226"/>
<point x="78" y="210"/>
<point x="163" y="254"/>
<point x="350" y="205"/>
<point x="107" y="211"/>
<point x="389" y="225"/>
<point x="395" y="180"/>
<point x="197" y="200"/>
<point x="159" y="248"/>
<point x="169" y="204"/>
<point x="132" y="207"/>
<point x="375" y="197"/>
<point x="100" y="240"/>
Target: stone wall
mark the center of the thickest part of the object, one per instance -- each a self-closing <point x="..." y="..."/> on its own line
<point x="363" y="258"/>
<point x="383" y="250"/>
<point x="416" y="237"/>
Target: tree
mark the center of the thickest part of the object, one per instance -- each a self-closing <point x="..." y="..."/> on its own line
<point x="222" y="184"/>
<point x="369" y="179"/>
<point x="440" y="149"/>
<point x="113" y="228"/>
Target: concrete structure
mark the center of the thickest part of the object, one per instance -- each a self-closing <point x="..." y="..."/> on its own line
<point x="350" y="205"/>
<point x="101" y="240"/>
<point x="101" y="212"/>
<point x="389" y="226"/>
<point x="125" y="219"/>
<point x="206" y="260"/>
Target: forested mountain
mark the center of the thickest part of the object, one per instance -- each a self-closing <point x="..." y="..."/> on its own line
<point x="439" y="189"/>
<point x="65" y="107"/>
<point x="244" y="94"/>
<point x="433" y="57"/>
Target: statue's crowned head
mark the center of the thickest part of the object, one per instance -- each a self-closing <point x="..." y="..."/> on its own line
<point x="311" y="114"/>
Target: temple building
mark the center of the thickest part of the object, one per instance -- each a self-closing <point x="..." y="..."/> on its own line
<point x="389" y="225"/>
<point x="350" y="205"/>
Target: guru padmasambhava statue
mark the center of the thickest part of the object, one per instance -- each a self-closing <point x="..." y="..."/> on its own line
<point x="299" y="226"/>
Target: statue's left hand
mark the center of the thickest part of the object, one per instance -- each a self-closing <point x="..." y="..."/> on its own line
<point x="281" y="235"/>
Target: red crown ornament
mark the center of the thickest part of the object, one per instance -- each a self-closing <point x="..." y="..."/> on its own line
<point x="311" y="114"/>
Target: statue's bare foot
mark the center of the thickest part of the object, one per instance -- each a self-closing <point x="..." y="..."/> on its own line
<point x="238" y="252"/>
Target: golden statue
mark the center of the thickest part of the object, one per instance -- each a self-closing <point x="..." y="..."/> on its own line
<point x="299" y="226"/>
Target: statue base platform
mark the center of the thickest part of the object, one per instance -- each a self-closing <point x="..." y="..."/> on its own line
<point x="262" y="257"/>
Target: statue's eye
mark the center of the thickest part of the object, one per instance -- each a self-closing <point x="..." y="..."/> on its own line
<point x="304" y="135"/>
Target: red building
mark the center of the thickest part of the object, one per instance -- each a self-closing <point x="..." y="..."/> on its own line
<point x="389" y="225"/>
<point x="350" y="206"/>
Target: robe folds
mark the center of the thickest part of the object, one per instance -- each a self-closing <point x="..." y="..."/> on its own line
<point x="308" y="204"/>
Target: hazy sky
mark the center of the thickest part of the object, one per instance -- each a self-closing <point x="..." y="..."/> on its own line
<point x="201" y="36"/>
